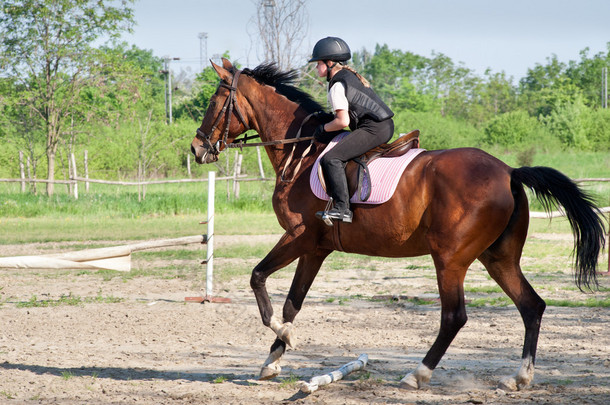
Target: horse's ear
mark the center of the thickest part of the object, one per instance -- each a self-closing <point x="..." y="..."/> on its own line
<point x="227" y="64"/>
<point x="222" y="72"/>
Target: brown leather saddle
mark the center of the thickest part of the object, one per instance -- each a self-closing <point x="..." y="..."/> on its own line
<point x="357" y="168"/>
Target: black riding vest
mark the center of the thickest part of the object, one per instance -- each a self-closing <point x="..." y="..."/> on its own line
<point x="363" y="101"/>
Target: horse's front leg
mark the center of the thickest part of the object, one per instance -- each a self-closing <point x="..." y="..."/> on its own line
<point x="306" y="271"/>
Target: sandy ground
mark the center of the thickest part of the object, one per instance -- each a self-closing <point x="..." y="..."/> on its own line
<point x="153" y="348"/>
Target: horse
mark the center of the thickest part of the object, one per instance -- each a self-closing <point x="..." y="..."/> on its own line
<point x="457" y="205"/>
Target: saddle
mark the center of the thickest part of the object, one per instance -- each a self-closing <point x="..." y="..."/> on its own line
<point x="356" y="169"/>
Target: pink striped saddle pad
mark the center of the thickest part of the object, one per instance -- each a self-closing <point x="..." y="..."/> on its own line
<point x="384" y="174"/>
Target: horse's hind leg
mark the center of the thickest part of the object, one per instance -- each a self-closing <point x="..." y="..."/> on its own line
<point x="502" y="262"/>
<point x="306" y="271"/>
<point x="507" y="274"/>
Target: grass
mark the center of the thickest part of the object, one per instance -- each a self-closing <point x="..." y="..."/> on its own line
<point x="590" y="302"/>
<point x="54" y="228"/>
<point x="501" y="301"/>
<point x="67" y="300"/>
<point x="290" y="381"/>
<point x="66" y="375"/>
<point x="7" y="395"/>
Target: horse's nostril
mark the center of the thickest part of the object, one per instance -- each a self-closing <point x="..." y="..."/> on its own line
<point x="193" y="150"/>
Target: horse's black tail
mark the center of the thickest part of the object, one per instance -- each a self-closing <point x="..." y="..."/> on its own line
<point x="551" y="187"/>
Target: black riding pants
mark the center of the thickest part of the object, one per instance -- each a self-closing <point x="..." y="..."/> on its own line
<point x="367" y="136"/>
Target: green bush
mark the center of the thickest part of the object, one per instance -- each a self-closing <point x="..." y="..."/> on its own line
<point x="598" y="129"/>
<point x="510" y="129"/>
<point x="438" y="132"/>
<point x="569" y="123"/>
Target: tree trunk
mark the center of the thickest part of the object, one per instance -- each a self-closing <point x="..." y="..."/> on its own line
<point x="50" y="171"/>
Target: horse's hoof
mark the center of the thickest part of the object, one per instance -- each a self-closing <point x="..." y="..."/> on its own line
<point x="409" y="382"/>
<point x="269" y="372"/>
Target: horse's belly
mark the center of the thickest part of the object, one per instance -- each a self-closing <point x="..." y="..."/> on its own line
<point x="385" y="240"/>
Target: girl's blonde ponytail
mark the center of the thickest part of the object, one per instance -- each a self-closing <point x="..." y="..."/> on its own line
<point x="358" y="75"/>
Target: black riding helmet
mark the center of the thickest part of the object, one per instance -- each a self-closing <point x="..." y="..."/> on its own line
<point x="331" y="48"/>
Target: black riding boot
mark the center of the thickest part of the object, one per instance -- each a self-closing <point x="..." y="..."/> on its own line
<point x="336" y="185"/>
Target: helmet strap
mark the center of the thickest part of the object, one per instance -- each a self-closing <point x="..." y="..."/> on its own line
<point x="329" y="68"/>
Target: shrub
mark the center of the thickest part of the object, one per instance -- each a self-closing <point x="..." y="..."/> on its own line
<point x="510" y="129"/>
<point x="438" y="132"/>
<point x="598" y="129"/>
<point x="568" y="123"/>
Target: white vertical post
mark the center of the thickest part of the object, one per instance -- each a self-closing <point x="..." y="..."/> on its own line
<point x="86" y="170"/>
<point x="210" y="237"/>
<point x="260" y="162"/>
<point x="188" y="164"/>
<point x="237" y="173"/>
<point x="22" y="171"/>
<point x="74" y="175"/>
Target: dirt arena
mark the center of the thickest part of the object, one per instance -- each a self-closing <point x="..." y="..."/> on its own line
<point x="151" y="347"/>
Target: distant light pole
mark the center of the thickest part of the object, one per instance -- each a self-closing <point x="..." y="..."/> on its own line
<point x="604" y="87"/>
<point x="269" y="6"/>
<point x="168" y="87"/>
<point x="203" y="49"/>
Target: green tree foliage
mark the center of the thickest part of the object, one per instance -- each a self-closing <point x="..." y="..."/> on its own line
<point x="495" y="94"/>
<point x="392" y="72"/>
<point x="195" y="108"/>
<point x="206" y="83"/>
<point x="513" y="128"/>
<point x="46" y="49"/>
<point x="586" y="74"/>
<point x="436" y="131"/>
<point x="547" y="86"/>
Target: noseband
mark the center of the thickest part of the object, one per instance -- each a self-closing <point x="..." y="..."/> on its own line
<point x="228" y="109"/>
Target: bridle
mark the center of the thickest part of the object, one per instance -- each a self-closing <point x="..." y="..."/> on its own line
<point x="227" y="108"/>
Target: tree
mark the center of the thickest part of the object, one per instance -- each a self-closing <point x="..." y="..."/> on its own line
<point x="281" y="27"/>
<point x="394" y="75"/>
<point x="46" y="47"/>
<point x="547" y="87"/>
<point x="205" y="86"/>
<point x="586" y="74"/>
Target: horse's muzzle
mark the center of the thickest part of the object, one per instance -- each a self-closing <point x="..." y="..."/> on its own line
<point x="204" y="155"/>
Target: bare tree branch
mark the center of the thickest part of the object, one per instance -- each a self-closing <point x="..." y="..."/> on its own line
<point x="281" y="27"/>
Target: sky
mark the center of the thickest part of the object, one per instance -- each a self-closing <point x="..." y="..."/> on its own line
<point x="502" y="35"/>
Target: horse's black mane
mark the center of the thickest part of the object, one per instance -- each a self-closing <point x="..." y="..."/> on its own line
<point x="284" y="83"/>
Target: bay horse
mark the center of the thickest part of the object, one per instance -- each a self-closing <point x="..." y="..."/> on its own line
<point x="456" y="205"/>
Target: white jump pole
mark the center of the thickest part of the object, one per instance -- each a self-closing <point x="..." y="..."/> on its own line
<point x="209" y="278"/>
<point x="321" y="380"/>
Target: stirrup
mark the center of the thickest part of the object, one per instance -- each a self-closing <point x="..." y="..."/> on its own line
<point x="321" y="215"/>
<point x="336" y="214"/>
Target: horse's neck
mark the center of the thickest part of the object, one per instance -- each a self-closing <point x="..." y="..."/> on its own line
<point x="278" y="122"/>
